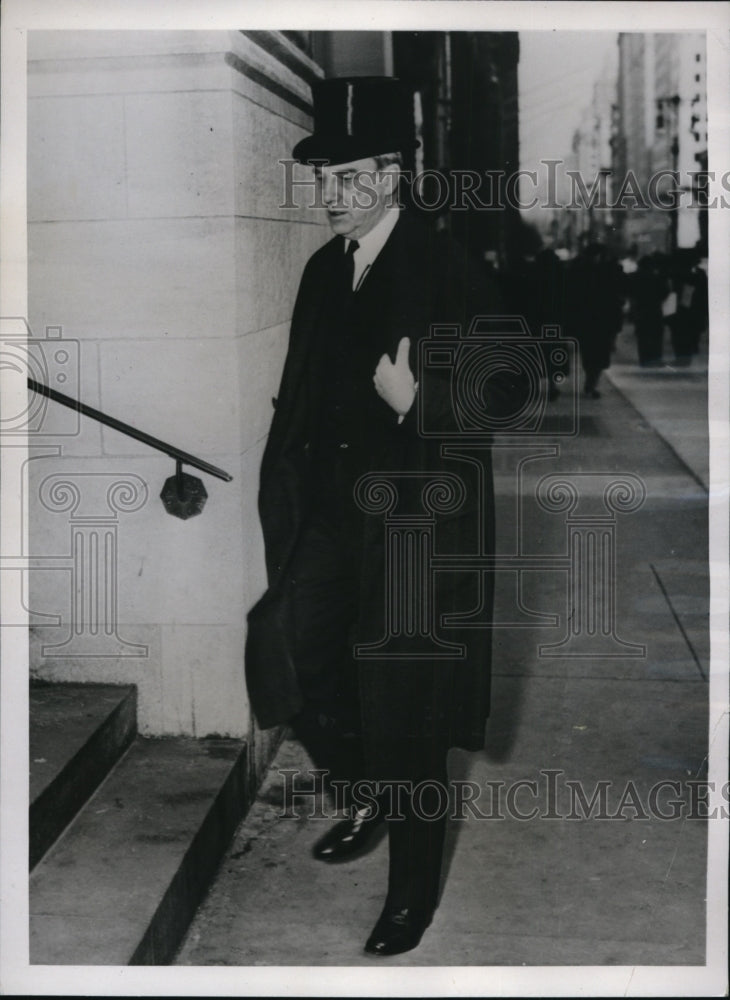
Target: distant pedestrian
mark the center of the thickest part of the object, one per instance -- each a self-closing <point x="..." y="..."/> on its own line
<point x="630" y="263"/>
<point x="534" y="288"/>
<point x="690" y="318"/>
<point x="594" y="310"/>
<point x="649" y="289"/>
<point x="551" y="307"/>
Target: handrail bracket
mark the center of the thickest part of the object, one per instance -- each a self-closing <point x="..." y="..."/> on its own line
<point x="183" y="495"/>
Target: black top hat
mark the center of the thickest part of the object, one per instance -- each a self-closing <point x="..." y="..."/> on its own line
<point x="358" y="116"/>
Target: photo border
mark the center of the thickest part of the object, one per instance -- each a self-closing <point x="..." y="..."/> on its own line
<point x="20" y="16"/>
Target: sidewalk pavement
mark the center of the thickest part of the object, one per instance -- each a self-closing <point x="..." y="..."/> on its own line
<point x="671" y="399"/>
<point x="617" y="885"/>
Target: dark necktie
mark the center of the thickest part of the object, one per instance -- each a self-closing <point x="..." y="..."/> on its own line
<point x="350" y="264"/>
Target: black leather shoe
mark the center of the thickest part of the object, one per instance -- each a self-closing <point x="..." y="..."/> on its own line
<point x="347" y="838"/>
<point x="396" y="931"/>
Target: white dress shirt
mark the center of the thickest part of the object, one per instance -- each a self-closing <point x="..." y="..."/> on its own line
<point x="371" y="244"/>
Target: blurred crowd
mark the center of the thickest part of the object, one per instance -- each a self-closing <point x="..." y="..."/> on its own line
<point x="591" y="296"/>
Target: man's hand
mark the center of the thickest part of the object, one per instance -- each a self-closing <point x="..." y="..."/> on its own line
<point x="395" y="382"/>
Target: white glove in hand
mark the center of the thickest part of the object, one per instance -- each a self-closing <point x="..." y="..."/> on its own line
<point x="395" y="382"/>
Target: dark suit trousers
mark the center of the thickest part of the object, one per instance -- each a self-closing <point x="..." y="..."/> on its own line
<point x="324" y="580"/>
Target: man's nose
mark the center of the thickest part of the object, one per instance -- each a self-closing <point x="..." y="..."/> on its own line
<point x="329" y="190"/>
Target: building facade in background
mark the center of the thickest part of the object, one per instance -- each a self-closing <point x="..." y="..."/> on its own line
<point x="590" y="164"/>
<point x="660" y="126"/>
<point x="631" y="175"/>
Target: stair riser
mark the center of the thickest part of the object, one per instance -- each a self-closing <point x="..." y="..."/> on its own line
<point x="197" y="870"/>
<point x="122" y="884"/>
<point x="54" y="808"/>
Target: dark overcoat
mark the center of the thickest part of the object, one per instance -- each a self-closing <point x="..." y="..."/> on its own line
<point x="419" y="280"/>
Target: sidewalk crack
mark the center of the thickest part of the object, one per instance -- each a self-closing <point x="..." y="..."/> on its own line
<point x="681" y="628"/>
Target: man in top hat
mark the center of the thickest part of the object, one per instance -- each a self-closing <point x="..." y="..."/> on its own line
<point x="379" y="715"/>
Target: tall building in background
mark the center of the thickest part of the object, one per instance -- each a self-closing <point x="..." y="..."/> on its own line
<point x="591" y="160"/>
<point x="483" y="133"/>
<point x="660" y="124"/>
<point x="572" y="187"/>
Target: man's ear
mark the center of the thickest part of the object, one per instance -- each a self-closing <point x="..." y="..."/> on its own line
<point x="390" y="176"/>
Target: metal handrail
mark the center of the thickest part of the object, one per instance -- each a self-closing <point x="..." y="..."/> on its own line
<point x="119" y="425"/>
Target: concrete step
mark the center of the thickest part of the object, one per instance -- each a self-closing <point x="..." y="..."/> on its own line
<point x="77" y="733"/>
<point x="123" y="883"/>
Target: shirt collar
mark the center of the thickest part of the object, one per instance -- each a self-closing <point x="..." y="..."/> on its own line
<point x="373" y="242"/>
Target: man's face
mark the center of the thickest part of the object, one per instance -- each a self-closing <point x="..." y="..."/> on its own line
<point x="356" y="195"/>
